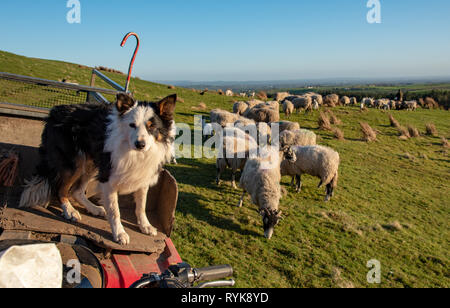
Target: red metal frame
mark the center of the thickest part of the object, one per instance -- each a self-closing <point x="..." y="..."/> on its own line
<point x="130" y="69"/>
<point x="122" y="270"/>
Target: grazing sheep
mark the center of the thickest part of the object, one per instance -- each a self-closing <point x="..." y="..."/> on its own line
<point x="240" y="108"/>
<point x="287" y="125"/>
<point x="353" y="101"/>
<point x="288" y="108"/>
<point x="237" y="147"/>
<point x="303" y="103"/>
<point x="382" y="103"/>
<point x="280" y="96"/>
<point x="392" y="105"/>
<point x="300" y="137"/>
<point x="229" y="93"/>
<point x="345" y="101"/>
<point x="315" y="105"/>
<point x="318" y="161"/>
<point x="261" y="179"/>
<point x="331" y="100"/>
<point x="263" y="114"/>
<point x="368" y="102"/>
<point x="318" y="98"/>
<point x="410" y="105"/>
<point x="222" y="117"/>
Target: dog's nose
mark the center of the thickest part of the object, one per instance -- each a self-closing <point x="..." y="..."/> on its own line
<point x="140" y="145"/>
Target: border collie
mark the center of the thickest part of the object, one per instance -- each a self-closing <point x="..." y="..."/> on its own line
<point x="123" y="147"/>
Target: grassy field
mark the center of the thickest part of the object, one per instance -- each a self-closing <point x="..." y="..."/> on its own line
<point x="392" y="202"/>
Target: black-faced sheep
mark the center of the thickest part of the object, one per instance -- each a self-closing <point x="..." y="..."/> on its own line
<point x="318" y="161"/>
<point x="261" y="179"/>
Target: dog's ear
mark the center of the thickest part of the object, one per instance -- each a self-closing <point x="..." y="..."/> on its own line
<point x="124" y="102"/>
<point x="166" y="107"/>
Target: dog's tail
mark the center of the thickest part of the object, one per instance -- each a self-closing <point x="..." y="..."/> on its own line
<point x="37" y="192"/>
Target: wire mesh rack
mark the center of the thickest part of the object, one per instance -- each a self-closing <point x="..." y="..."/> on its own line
<point x="45" y="94"/>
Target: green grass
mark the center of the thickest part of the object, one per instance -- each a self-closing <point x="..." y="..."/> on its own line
<point x="379" y="185"/>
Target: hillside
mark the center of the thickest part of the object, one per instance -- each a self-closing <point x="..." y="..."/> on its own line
<point x="391" y="204"/>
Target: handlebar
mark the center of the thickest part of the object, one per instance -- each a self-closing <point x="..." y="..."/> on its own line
<point x="183" y="276"/>
<point x="213" y="273"/>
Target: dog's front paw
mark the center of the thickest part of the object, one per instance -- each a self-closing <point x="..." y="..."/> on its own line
<point x="122" y="239"/>
<point x="148" y="229"/>
<point x="98" y="211"/>
<point x="72" y="215"/>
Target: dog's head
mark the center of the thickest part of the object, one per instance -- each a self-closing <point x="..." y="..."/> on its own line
<point x="144" y="123"/>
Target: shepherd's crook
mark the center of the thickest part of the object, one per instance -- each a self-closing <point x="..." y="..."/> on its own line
<point x="134" y="56"/>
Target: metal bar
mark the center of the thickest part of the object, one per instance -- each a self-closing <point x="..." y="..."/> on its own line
<point x="112" y="83"/>
<point x="23" y="111"/>
<point x="60" y="85"/>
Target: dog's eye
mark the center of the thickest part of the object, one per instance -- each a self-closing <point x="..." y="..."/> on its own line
<point x="132" y="125"/>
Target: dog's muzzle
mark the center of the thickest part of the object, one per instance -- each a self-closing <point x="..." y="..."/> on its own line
<point x="140" y="145"/>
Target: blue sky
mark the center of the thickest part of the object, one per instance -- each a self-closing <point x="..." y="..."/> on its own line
<point x="203" y="40"/>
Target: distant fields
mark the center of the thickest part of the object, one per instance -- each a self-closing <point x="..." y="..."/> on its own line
<point x="392" y="203"/>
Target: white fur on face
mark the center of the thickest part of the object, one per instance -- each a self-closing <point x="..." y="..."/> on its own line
<point x="138" y="116"/>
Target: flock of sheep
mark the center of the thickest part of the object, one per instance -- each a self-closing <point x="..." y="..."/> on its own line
<point x="313" y="101"/>
<point x="293" y="152"/>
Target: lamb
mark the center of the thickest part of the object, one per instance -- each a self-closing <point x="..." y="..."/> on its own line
<point x="222" y="117"/>
<point x="300" y="137"/>
<point x="318" y="161"/>
<point x="345" y="101"/>
<point x="288" y="108"/>
<point x="303" y="103"/>
<point x="261" y="179"/>
<point x="237" y="147"/>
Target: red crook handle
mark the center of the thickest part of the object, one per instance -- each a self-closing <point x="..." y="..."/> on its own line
<point x="134" y="55"/>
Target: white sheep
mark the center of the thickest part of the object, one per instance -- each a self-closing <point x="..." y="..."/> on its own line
<point x="318" y="161"/>
<point x="367" y="102"/>
<point x="353" y="101"/>
<point x="261" y="179"/>
<point x="288" y="108"/>
<point x="345" y="101"/>
<point x="240" y="108"/>
<point x="303" y="103"/>
<point x="287" y="125"/>
<point x="280" y="96"/>
<point x="410" y="105"/>
<point x="237" y="147"/>
<point x="263" y="113"/>
<point x="222" y="117"/>
<point x="299" y="137"/>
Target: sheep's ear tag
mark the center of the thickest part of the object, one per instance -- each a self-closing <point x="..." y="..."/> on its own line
<point x="124" y="103"/>
<point x="167" y="107"/>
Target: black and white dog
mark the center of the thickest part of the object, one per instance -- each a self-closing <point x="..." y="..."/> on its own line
<point x="123" y="147"/>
